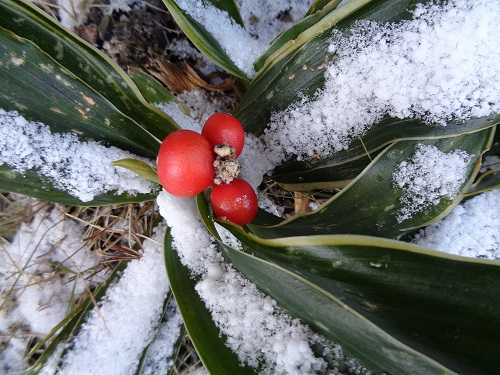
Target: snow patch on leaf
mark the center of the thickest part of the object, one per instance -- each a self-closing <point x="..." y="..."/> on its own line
<point x="83" y="169"/>
<point x="428" y="177"/>
<point x="472" y="229"/>
<point x="256" y="329"/>
<point x="439" y="66"/>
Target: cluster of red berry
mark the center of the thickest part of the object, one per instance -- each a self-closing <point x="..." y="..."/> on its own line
<point x="188" y="163"/>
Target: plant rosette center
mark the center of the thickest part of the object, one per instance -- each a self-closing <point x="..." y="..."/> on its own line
<point x="227" y="167"/>
<point x="189" y="163"/>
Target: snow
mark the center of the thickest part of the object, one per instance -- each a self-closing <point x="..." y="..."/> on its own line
<point x="262" y="21"/>
<point x="472" y="229"/>
<point x="268" y="205"/>
<point x="73" y="13"/>
<point x="257" y="330"/>
<point x="490" y="162"/>
<point x="179" y="116"/>
<point x="111" y="341"/>
<point x="428" y="177"/>
<point x="123" y="5"/>
<point x="257" y="159"/>
<point x="230" y="36"/>
<point x="161" y="350"/>
<point x="182" y="49"/>
<point x="198" y="371"/>
<point x="11" y="355"/>
<point x="265" y="19"/>
<point x="83" y="169"/>
<point x="192" y="108"/>
<point x="36" y="294"/>
<point x="440" y="65"/>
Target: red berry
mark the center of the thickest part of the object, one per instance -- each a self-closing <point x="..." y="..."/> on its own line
<point x="185" y="163"/>
<point x="224" y="129"/>
<point x="236" y="202"/>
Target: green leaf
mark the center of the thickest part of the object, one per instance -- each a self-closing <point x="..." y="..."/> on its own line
<point x="210" y="346"/>
<point x="151" y="89"/>
<point x="312" y="175"/>
<point x="290" y="39"/>
<point x="30" y="183"/>
<point x="35" y="85"/>
<point x="346" y="164"/>
<point x="138" y="167"/>
<point x="487" y="181"/>
<point x="91" y="66"/>
<point x="206" y="215"/>
<point x="370" y="203"/>
<point x="230" y="7"/>
<point x="295" y="63"/>
<point x="397" y="307"/>
<point x="203" y="40"/>
<point x="294" y="66"/>
<point x="320" y="4"/>
<point x="69" y="326"/>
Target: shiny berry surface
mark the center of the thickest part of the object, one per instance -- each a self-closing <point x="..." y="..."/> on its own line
<point x="224" y="129"/>
<point x="235" y="202"/>
<point x="185" y="163"/>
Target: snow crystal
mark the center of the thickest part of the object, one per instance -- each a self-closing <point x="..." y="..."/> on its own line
<point x="40" y="295"/>
<point x="228" y="238"/>
<point x="256" y="329"/>
<point x="263" y="19"/>
<point x="428" y="177"/>
<point x="73" y="13"/>
<point x="472" y="229"/>
<point x="50" y="367"/>
<point x="81" y="168"/>
<point x="441" y="65"/>
<point x="112" y="339"/>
